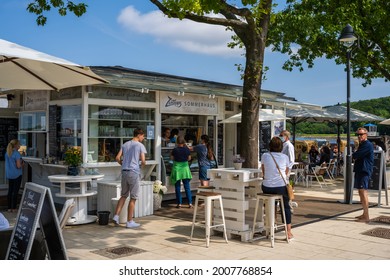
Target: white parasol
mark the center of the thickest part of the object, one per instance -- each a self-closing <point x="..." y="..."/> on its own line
<point x="263" y="117"/>
<point x="27" y="69"/>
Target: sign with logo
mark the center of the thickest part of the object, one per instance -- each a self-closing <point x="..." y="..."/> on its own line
<point x="188" y="104"/>
<point x="35" y="100"/>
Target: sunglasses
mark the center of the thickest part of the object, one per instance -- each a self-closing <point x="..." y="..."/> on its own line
<point x="360" y="134"/>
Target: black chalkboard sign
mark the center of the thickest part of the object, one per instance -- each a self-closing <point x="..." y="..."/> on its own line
<point x="376" y="180"/>
<point x="264" y="137"/>
<point x="36" y="207"/>
<point x="8" y="131"/>
<point x="53" y="141"/>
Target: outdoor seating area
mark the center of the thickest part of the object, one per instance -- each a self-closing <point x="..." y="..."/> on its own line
<point x="167" y="237"/>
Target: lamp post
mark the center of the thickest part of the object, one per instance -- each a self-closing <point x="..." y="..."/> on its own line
<point x="348" y="38"/>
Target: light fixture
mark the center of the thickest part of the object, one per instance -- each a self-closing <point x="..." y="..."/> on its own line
<point x="89" y="89"/>
<point x="180" y="93"/>
<point x="145" y="90"/>
<point x="239" y="98"/>
<point x="348" y="38"/>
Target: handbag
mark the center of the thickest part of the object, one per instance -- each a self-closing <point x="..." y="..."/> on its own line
<point x="289" y="188"/>
<point x="213" y="163"/>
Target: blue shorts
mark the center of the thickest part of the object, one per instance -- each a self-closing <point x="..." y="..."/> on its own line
<point x="203" y="173"/>
<point x="361" y="181"/>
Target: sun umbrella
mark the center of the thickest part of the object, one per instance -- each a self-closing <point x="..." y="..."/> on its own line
<point x="27" y="69"/>
<point x="385" y="122"/>
<point x="356" y="115"/>
<point x="263" y="116"/>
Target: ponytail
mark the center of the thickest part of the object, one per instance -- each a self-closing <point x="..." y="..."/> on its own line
<point x="206" y="140"/>
<point x="11" y="146"/>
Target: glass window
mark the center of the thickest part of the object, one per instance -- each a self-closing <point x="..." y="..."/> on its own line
<point x="109" y="127"/>
<point x="65" y="129"/>
<point x="33" y="121"/>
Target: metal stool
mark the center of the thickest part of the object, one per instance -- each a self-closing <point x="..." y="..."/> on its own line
<point x="208" y="198"/>
<point x="268" y="202"/>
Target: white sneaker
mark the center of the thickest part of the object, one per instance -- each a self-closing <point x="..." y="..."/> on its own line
<point x="115" y="220"/>
<point x="132" y="224"/>
<point x="293" y="204"/>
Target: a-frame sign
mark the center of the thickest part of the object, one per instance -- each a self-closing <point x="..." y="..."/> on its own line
<point x="36" y="207"/>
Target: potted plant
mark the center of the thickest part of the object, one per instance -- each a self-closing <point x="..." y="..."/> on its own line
<point x="237" y="162"/>
<point x="73" y="159"/>
<point x="158" y="190"/>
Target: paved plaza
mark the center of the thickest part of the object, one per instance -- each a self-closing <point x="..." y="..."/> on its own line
<point x="161" y="238"/>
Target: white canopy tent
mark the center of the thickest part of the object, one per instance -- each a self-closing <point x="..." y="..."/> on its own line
<point x="387" y="122"/>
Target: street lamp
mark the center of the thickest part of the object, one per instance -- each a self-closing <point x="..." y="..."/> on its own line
<point x="348" y="38"/>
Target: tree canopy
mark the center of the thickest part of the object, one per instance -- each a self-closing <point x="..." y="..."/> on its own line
<point x="305" y="30"/>
<point x="309" y="29"/>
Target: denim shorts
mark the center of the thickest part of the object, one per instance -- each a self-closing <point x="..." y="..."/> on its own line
<point x="361" y="181"/>
<point x="203" y="173"/>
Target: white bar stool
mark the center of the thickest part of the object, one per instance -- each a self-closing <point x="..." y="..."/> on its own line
<point x="268" y="204"/>
<point x="205" y="188"/>
<point x="209" y="198"/>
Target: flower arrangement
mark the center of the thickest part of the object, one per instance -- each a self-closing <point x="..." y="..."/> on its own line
<point x="238" y="159"/>
<point x="159" y="188"/>
<point x="73" y="156"/>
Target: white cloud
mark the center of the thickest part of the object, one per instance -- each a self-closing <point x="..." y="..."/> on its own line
<point x="183" y="34"/>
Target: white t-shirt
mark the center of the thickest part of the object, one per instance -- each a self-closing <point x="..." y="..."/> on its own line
<point x="271" y="174"/>
<point x="288" y="149"/>
<point x="4" y="224"/>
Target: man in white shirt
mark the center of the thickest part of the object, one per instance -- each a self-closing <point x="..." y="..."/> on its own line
<point x="376" y="146"/>
<point x="288" y="150"/>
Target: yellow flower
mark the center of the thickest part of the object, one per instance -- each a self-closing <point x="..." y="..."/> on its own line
<point x="73" y="156"/>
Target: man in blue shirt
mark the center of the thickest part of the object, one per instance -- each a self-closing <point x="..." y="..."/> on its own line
<point x="363" y="167"/>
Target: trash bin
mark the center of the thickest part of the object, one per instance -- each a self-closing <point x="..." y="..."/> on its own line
<point x="103" y="217"/>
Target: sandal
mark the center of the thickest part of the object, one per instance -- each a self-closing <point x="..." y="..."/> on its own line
<point x="190" y="206"/>
<point x="178" y="206"/>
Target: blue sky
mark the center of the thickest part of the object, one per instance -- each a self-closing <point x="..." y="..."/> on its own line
<point x="134" y="34"/>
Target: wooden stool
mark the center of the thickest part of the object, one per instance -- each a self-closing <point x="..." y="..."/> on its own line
<point x="268" y="202"/>
<point x="206" y="188"/>
<point x="209" y="198"/>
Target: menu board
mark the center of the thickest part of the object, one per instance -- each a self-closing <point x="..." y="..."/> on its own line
<point x="53" y="145"/>
<point x="377" y="181"/>
<point x="9" y="131"/>
<point x="264" y="137"/>
<point x="36" y="207"/>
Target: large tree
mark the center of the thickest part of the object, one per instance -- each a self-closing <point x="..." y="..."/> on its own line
<point x="249" y="20"/>
<point x="305" y="30"/>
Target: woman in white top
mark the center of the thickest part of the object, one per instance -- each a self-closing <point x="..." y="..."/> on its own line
<point x="273" y="182"/>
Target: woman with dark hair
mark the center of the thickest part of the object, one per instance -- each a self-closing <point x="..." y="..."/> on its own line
<point x="325" y="155"/>
<point x="205" y="156"/>
<point x="181" y="171"/>
<point x="273" y="183"/>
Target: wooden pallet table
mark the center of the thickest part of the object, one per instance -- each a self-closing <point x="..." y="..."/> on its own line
<point x="238" y="189"/>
